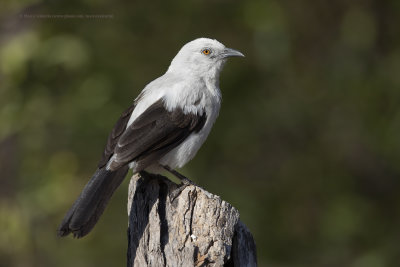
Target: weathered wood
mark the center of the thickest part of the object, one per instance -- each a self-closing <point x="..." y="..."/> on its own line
<point x="173" y="225"/>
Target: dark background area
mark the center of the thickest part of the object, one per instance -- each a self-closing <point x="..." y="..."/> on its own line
<point x="306" y="145"/>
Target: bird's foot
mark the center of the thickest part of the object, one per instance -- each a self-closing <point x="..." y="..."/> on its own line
<point x="185" y="181"/>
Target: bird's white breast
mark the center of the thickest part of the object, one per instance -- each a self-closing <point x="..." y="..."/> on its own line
<point x="183" y="153"/>
<point x="193" y="96"/>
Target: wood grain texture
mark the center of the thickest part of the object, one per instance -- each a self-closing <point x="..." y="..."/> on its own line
<point x="172" y="225"/>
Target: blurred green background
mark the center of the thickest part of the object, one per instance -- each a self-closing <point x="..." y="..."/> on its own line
<point x="307" y="144"/>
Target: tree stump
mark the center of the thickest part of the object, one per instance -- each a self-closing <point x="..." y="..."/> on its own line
<point x="174" y="225"/>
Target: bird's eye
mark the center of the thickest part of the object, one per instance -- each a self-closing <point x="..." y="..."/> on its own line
<point x="206" y="52"/>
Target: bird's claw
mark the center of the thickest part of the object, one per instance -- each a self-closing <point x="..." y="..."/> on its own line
<point x="186" y="182"/>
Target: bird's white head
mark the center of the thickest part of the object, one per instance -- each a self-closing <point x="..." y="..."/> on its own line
<point x="202" y="57"/>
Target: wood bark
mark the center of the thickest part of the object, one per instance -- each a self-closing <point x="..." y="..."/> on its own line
<point x="176" y="225"/>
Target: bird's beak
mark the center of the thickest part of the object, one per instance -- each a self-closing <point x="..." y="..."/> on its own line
<point x="229" y="52"/>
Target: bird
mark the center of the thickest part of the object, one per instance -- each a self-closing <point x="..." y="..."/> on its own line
<point x="161" y="131"/>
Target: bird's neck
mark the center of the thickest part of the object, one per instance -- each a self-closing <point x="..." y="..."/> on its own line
<point x="212" y="84"/>
<point x="208" y="80"/>
<point x="209" y="75"/>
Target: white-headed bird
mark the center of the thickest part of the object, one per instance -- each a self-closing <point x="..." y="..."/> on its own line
<point x="162" y="130"/>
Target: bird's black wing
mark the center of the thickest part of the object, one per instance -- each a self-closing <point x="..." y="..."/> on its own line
<point x="153" y="134"/>
<point x="115" y="134"/>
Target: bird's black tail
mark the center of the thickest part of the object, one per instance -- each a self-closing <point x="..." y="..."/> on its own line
<point x="89" y="206"/>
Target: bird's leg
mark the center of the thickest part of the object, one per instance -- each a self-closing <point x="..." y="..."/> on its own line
<point x="186" y="181"/>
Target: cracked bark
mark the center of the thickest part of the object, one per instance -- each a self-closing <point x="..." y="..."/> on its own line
<point x="171" y="225"/>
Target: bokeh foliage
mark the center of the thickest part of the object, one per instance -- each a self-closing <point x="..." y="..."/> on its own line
<point x="307" y="143"/>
